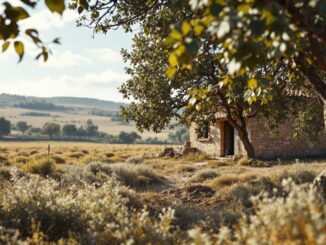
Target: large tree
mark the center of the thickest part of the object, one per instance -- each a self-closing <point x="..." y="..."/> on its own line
<point x="162" y="95"/>
<point x="197" y="94"/>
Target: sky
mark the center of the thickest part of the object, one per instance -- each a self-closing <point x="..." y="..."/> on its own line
<point x="82" y="66"/>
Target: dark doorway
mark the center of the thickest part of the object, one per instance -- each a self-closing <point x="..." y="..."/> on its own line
<point x="228" y="139"/>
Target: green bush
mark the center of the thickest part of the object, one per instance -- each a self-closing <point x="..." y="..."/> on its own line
<point x="43" y="166"/>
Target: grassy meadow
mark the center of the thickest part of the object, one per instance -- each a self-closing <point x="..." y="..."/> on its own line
<point x="84" y="193"/>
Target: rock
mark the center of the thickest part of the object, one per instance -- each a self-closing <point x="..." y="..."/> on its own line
<point x="320" y="183"/>
<point x="169" y="152"/>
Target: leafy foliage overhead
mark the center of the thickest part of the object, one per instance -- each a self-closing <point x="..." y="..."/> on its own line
<point x="247" y="32"/>
<point x="10" y="28"/>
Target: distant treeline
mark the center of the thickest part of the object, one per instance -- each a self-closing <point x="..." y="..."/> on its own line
<point x="115" y="116"/>
<point x="41" y="105"/>
<point x="87" y="132"/>
<point x="35" y="114"/>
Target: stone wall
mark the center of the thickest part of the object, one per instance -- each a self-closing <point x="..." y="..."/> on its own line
<point x="282" y="145"/>
<point x="209" y="146"/>
<point x="266" y="146"/>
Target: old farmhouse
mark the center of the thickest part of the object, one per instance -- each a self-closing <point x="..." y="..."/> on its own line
<point x="220" y="139"/>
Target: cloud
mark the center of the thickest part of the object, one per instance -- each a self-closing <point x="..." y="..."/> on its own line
<point x="64" y="59"/>
<point x="107" y="54"/>
<point x="96" y="85"/>
<point x="45" y="20"/>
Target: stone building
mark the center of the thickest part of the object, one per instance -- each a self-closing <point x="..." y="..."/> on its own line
<point x="220" y="139"/>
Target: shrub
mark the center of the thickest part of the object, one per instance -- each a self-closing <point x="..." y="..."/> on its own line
<point x="85" y="152"/>
<point x="195" y="157"/>
<point x="136" y="175"/>
<point x="298" y="218"/>
<point x="90" y="159"/>
<point x="109" y="154"/>
<point x="5" y="173"/>
<point x="96" y="215"/>
<point x="135" y="160"/>
<point x="76" y="155"/>
<point x="206" y="174"/>
<point x="227" y="179"/>
<point x="58" y="160"/>
<point x="4" y="160"/>
<point x="187" y="216"/>
<point x="299" y="176"/>
<point x="43" y="167"/>
<point x="33" y="152"/>
<point x="19" y="160"/>
<point x="23" y="154"/>
<point x="97" y="167"/>
<point x="187" y="168"/>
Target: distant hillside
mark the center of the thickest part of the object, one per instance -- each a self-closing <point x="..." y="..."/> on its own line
<point x="11" y="100"/>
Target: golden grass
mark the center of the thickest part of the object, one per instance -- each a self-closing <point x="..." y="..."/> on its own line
<point x="75" y="152"/>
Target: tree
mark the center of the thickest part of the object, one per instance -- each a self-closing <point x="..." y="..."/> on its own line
<point x="4" y="127"/>
<point x="10" y="28"/>
<point x="69" y="129"/>
<point x="179" y="136"/>
<point x="91" y="128"/>
<point x="128" y="138"/>
<point x="22" y="126"/>
<point x="51" y="129"/>
<point x="249" y="31"/>
<point x="202" y="79"/>
<point x="194" y="95"/>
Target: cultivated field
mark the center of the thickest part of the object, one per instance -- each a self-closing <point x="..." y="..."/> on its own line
<point x="78" y="118"/>
<point x="86" y="193"/>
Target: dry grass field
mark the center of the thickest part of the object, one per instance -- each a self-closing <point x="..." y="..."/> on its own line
<point x="79" y="118"/>
<point x="86" y="193"/>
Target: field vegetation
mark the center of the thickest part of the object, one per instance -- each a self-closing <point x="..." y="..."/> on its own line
<point x="83" y="193"/>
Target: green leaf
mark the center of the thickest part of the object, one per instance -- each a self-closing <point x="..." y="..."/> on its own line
<point x="252" y="83"/>
<point x="5" y="46"/>
<point x="57" y="6"/>
<point x="171" y="72"/>
<point x="29" y="3"/>
<point x="186" y="28"/>
<point x="45" y="55"/>
<point x="192" y="47"/>
<point x="257" y="27"/>
<point x="15" y="13"/>
<point x="19" y="48"/>
<point x="173" y="60"/>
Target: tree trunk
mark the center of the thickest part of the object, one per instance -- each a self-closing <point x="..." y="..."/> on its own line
<point x="314" y="78"/>
<point x="247" y="144"/>
<point x="243" y="135"/>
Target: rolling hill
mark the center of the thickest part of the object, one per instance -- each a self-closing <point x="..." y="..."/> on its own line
<point x="8" y="100"/>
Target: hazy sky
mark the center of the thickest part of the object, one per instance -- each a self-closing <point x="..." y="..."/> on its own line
<point x="82" y="66"/>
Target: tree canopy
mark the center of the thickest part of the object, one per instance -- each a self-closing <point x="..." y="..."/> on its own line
<point x="51" y="129"/>
<point x="4" y="127"/>
<point x="247" y="32"/>
<point x="22" y="126"/>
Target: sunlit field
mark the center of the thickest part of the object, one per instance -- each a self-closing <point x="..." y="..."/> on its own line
<point x="104" y="123"/>
<point x="82" y="193"/>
